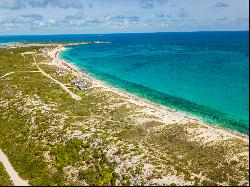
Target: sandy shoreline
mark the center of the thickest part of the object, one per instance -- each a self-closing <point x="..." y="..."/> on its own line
<point x="167" y="115"/>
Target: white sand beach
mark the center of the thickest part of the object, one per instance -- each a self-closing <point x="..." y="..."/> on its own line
<point x="167" y="115"/>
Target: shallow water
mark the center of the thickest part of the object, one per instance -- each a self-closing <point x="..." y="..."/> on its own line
<point x="202" y="73"/>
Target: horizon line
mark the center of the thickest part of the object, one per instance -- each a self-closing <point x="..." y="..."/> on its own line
<point x="118" y="33"/>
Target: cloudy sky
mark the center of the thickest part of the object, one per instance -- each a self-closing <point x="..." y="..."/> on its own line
<point x="112" y="16"/>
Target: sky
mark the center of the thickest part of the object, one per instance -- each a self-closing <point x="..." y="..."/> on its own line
<point x="119" y="16"/>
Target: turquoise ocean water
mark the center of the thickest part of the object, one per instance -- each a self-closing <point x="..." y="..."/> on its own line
<point x="202" y="73"/>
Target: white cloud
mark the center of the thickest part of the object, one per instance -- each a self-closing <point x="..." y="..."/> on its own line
<point x="18" y="4"/>
<point x="220" y="5"/>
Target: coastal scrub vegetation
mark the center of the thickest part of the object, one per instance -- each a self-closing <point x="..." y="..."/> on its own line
<point x="102" y="139"/>
<point x="4" y="177"/>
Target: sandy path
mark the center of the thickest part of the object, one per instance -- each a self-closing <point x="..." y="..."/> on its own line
<point x="6" y="75"/>
<point x="18" y="72"/>
<point x="74" y="96"/>
<point x="11" y="171"/>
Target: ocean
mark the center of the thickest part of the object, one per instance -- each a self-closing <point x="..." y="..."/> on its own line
<point x="205" y="74"/>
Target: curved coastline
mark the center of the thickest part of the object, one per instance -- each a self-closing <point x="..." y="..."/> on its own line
<point x="159" y="109"/>
<point x="174" y="103"/>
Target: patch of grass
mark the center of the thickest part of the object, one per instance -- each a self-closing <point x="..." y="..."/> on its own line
<point x="67" y="154"/>
<point x="97" y="176"/>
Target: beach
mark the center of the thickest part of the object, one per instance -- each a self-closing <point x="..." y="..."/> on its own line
<point x="168" y="116"/>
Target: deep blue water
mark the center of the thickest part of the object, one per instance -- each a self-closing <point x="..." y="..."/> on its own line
<point x="203" y="73"/>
